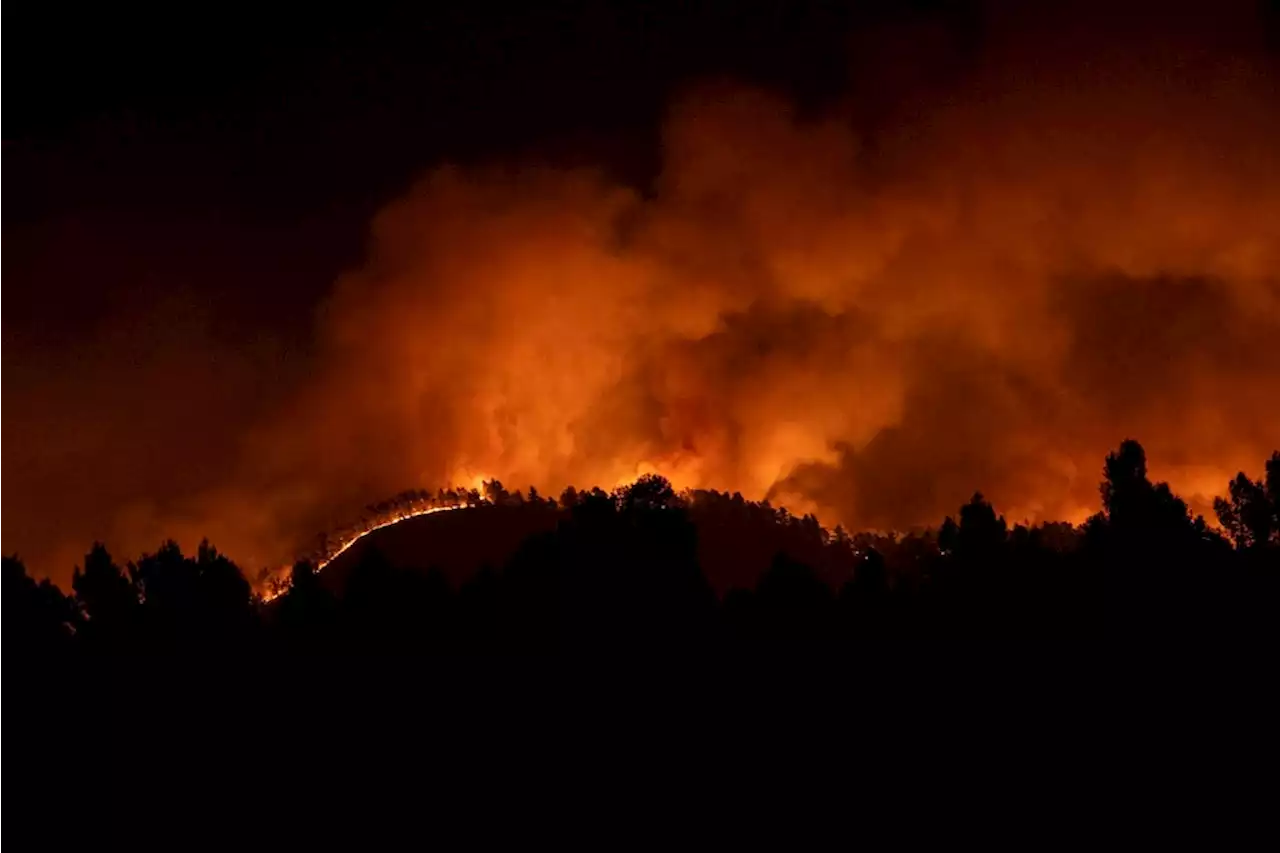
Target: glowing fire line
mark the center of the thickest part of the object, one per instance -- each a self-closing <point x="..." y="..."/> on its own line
<point x="273" y="594"/>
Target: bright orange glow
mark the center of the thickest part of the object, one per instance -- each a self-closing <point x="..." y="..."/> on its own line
<point x="989" y="294"/>
<point x="272" y="592"/>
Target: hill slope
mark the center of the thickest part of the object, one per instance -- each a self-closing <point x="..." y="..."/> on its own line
<point x="737" y="541"/>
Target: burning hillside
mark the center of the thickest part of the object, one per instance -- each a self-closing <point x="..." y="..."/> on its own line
<point x="986" y="292"/>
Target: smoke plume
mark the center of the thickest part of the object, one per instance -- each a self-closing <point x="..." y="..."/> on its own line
<point x="1055" y="250"/>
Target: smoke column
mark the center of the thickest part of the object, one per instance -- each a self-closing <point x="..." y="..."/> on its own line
<point x="1062" y="247"/>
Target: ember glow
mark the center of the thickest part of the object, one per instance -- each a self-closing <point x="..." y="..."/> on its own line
<point x="275" y="588"/>
<point x="988" y="293"/>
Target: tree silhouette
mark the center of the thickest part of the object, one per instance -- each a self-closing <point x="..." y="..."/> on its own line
<point x="1272" y="480"/>
<point x="201" y="601"/>
<point x="308" y="612"/>
<point x="1248" y="514"/>
<point x="631" y="572"/>
<point x="1125" y="488"/>
<point x="650" y="492"/>
<point x="981" y="533"/>
<point x="109" y="599"/>
<point x="39" y="619"/>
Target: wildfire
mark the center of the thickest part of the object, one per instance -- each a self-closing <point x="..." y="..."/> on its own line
<point x="986" y="293"/>
<point x="278" y="587"/>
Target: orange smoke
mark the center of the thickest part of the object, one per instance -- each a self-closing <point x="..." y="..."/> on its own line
<point x="987" y="295"/>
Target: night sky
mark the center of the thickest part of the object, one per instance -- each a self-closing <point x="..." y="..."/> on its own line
<point x="259" y="144"/>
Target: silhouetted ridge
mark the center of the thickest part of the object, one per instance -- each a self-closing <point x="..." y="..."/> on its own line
<point x="644" y="569"/>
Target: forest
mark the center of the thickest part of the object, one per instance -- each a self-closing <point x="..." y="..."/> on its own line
<point x="647" y="570"/>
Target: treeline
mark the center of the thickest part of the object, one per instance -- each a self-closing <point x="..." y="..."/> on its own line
<point x="645" y="569"/>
